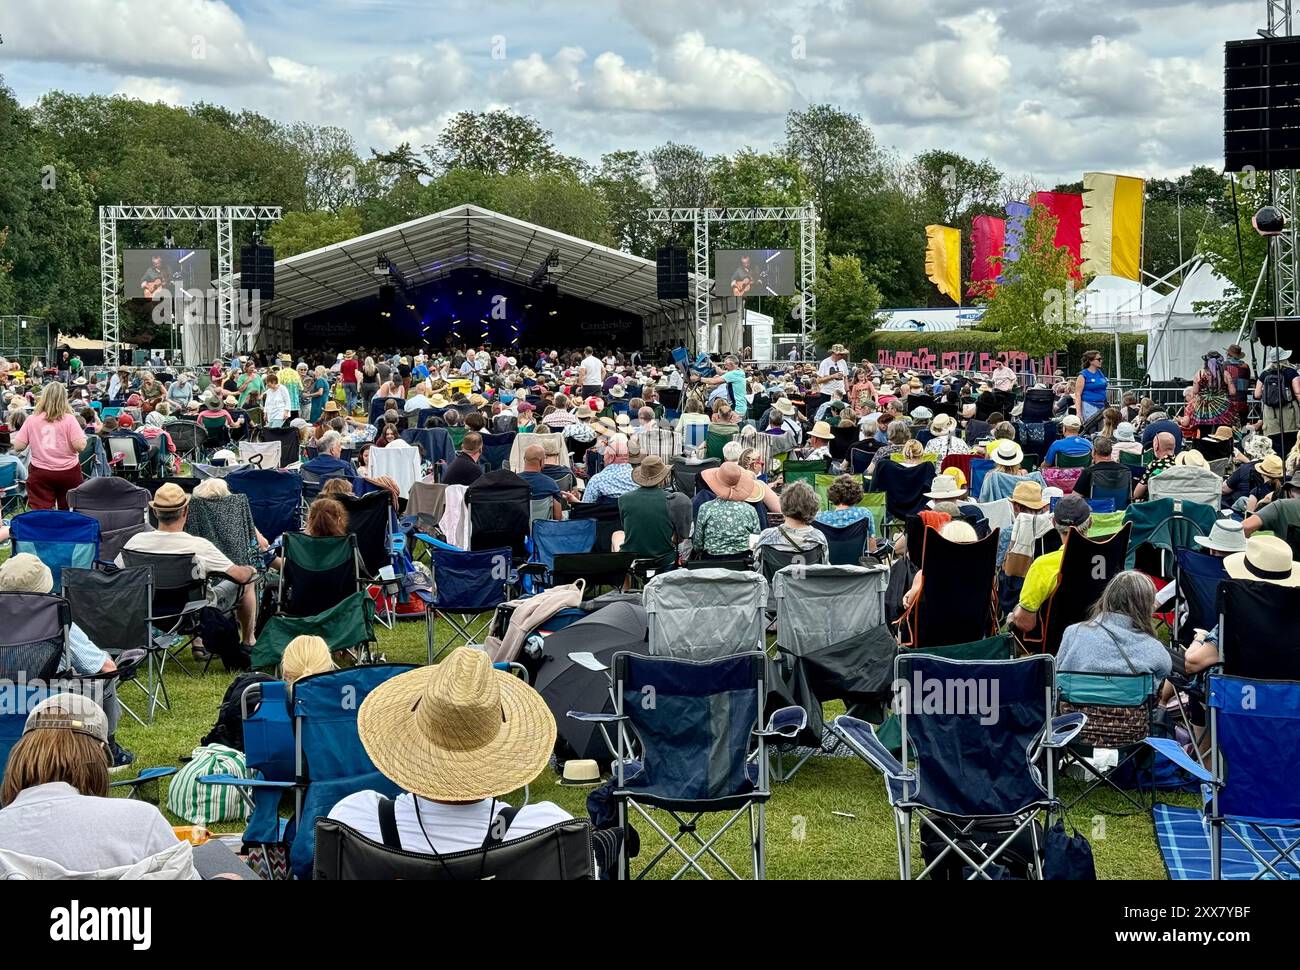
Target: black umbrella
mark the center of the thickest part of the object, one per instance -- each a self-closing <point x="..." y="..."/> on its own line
<point x="568" y="686"/>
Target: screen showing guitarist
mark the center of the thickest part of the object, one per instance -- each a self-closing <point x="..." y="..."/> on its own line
<point x="743" y="279"/>
<point x="155" y="278"/>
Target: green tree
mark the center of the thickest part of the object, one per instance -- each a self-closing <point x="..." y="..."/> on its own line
<point x="623" y="181"/>
<point x="847" y="302"/>
<point x="498" y="143"/>
<point x="1034" y="306"/>
<point x="301" y="232"/>
<point x="681" y="176"/>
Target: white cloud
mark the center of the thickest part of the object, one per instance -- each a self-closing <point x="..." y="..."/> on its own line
<point x="197" y="39"/>
<point x="149" y="89"/>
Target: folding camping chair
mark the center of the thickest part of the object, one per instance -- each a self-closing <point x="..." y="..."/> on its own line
<point x="1254" y="729"/>
<point x="1087" y="565"/>
<point x="1197" y="576"/>
<point x="496" y="449"/>
<point x="607" y="517"/>
<point x="129" y="453"/>
<point x="348" y="625"/>
<point x="904" y="488"/>
<point x="179" y="594"/>
<point x="558" y="852"/>
<point x="686" y="473"/>
<point x="402" y="465"/>
<point x="832" y="644"/>
<point x="274" y="498"/>
<point x="597" y="570"/>
<point x="1119" y="710"/>
<point x="846" y="545"/>
<point x="970" y="772"/>
<point x="958" y="602"/>
<point x="566" y="537"/>
<point x="772" y="560"/>
<point x="500" y="512"/>
<point x="329" y="761"/>
<point x="56" y="538"/>
<point x="702" y="614"/>
<point x="112" y="607"/>
<point x="1166" y="524"/>
<point x="264" y="455"/>
<point x="289" y="442"/>
<point x="371" y="523"/>
<point x="190" y="439"/>
<point x="318" y="574"/>
<point x="467" y="589"/>
<point x="979" y="467"/>
<point x="227" y="523"/>
<point x="804" y="471"/>
<point x="706" y="711"/>
<point x="118" y="506"/>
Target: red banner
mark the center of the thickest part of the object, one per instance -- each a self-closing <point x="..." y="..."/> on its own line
<point x="988" y="240"/>
<point x="1068" y="210"/>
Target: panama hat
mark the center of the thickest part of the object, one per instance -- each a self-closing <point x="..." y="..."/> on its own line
<point x="651" y="471"/>
<point x="1192" y="458"/>
<point x="1271" y="467"/>
<point x="1266" y="558"/>
<point x="438" y="401"/>
<point x="24" y="573"/>
<point x="821" y="430"/>
<point x="785" y="406"/>
<point x="1007" y="453"/>
<point x="169" y="498"/>
<point x="580" y="773"/>
<point x="617" y="391"/>
<point x="1029" y="494"/>
<point x="922" y="414"/>
<point x="942" y="424"/>
<point x="1226" y="536"/>
<point x="945" y="487"/>
<point x="582" y="412"/>
<point x="839" y="349"/>
<point x="457" y="731"/>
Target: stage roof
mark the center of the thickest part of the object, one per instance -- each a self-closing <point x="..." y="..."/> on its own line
<point x="464" y="237"/>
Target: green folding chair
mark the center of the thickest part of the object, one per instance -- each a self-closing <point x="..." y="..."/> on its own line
<point x="804" y="471"/>
<point x="1105" y="524"/>
<point x="1130" y="459"/>
<point x="1073" y="461"/>
<point x="457" y="435"/>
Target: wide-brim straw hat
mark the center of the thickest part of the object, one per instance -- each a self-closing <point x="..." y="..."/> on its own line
<point x="1267" y="558"/>
<point x="821" y="430"/>
<point x="332" y="407"/>
<point x="438" y="401"/>
<point x="731" y="482"/>
<point x="1030" y="495"/>
<point x="458" y="731"/>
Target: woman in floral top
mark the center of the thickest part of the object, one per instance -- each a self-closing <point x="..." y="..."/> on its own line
<point x="726" y="522"/>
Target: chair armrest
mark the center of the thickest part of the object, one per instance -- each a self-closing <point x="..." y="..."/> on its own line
<point x="1063" y="729"/>
<point x="862" y="741"/>
<point x="532" y="569"/>
<point x="244" y="782"/>
<point x="785" y="723"/>
<point x="588" y="661"/>
<point x="148" y="774"/>
<point x="1171" y="750"/>
<point x="596" y="718"/>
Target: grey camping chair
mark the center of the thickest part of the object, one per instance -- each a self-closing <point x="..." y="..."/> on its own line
<point x="701" y="614"/>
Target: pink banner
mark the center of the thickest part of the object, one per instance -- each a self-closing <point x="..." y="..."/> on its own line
<point x="1068" y="209"/>
<point x="988" y="239"/>
<point x="965" y="361"/>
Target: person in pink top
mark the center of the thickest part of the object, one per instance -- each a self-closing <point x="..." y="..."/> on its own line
<point x="56" y="440"/>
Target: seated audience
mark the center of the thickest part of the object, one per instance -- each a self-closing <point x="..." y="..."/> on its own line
<point x="1119" y="636"/>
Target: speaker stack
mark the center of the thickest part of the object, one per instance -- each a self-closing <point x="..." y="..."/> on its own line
<point x="672" y="273"/>
<point x="1261" y="104"/>
<point x="257" y="270"/>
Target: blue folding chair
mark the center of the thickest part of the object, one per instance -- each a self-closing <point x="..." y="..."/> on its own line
<point x="57" y="539"/>
<point x="553" y="538"/>
<point x="496" y="449"/>
<point x="9" y="488"/>
<point x="274" y="497"/>
<point x="973" y="733"/>
<point x="467" y="589"/>
<point x="1197" y="576"/>
<point x="1249" y="788"/>
<point x="687" y="751"/>
<point x="847" y="544"/>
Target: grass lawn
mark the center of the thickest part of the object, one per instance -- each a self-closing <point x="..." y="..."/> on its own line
<point x="805" y="838"/>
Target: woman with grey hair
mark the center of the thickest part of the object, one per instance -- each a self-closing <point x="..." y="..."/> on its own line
<point x="799" y="506"/>
<point x="899" y="433"/>
<point x="1119" y="636"/>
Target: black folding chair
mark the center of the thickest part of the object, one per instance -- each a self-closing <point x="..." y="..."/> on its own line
<point x="1087" y="565"/>
<point x="111" y="605"/>
<point x="179" y="594"/>
<point x="958" y="601"/>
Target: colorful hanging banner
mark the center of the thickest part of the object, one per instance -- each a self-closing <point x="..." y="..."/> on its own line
<point x="1017" y="213"/>
<point x="988" y="240"/>
<point x="1112" y="225"/>
<point x="1067" y="207"/>
<point x="943" y="260"/>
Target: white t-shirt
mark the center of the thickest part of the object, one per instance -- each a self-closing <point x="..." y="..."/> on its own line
<point x="832" y="366"/>
<point x="211" y="559"/>
<point x="452" y="828"/>
<point x="591" y="371"/>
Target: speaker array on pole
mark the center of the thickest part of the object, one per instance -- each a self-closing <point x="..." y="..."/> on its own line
<point x="672" y="273"/>
<point x="1261" y="104"/>
<point x="257" y="270"/>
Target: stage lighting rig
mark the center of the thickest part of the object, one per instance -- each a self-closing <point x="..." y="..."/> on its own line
<point x="549" y="266"/>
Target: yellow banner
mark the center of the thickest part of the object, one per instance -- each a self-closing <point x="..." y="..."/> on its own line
<point x="943" y="260"/>
<point x="1112" y="225"/>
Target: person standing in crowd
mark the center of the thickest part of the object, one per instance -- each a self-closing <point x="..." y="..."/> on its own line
<point x="276" y="408"/>
<point x="591" y="372"/>
<point x="55" y="440"/>
<point x="348" y="371"/>
<point x="1278" y="391"/>
<point x="1090" y="387"/>
<point x="1237" y="375"/>
<point x="833" y="372"/>
<point x="734" y="377"/>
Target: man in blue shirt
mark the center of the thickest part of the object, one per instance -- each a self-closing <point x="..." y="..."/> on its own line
<point x="1158" y="423"/>
<point x="1072" y="443"/>
<point x="540" y="484"/>
<point x="327" y="463"/>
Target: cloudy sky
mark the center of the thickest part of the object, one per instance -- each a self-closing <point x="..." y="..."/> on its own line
<point x="1048" y="88"/>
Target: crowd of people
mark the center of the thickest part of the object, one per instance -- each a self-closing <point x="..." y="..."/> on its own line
<point x="612" y="428"/>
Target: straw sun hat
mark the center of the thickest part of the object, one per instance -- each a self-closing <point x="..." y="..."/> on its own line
<point x="459" y="731"/>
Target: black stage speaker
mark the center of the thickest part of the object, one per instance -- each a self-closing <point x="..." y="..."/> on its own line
<point x="1278" y="332"/>
<point x="1261" y="104"/>
<point x="257" y="270"/>
<point x="672" y="273"/>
